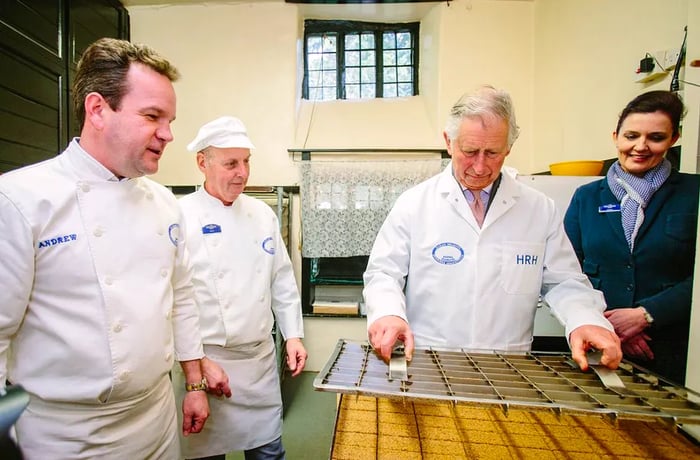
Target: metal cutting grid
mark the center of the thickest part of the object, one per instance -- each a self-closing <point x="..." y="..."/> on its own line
<point x="540" y="380"/>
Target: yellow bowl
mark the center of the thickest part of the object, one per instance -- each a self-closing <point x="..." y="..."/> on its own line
<point x="577" y="168"/>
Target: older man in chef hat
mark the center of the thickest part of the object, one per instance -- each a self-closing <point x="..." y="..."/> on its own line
<point x="244" y="282"/>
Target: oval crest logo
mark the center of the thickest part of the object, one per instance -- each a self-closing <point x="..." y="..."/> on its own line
<point x="448" y="253"/>
<point x="174" y="233"/>
<point x="267" y="246"/>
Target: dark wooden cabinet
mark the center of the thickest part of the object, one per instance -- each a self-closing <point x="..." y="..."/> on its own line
<point x="40" y="44"/>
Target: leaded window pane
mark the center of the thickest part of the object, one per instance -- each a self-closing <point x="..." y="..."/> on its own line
<point x="404" y="57"/>
<point x="405" y="74"/>
<point x="368" y="75"/>
<point x="405" y="89"/>
<point x="352" y="91"/>
<point x="352" y="75"/>
<point x="389" y="90"/>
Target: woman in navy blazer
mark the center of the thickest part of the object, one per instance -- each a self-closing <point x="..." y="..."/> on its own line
<point x="634" y="233"/>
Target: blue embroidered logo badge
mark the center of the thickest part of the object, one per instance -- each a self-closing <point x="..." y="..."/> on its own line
<point x="267" y="246"/>
<point x="211" y="228"/>
<point x="448" y="253"/>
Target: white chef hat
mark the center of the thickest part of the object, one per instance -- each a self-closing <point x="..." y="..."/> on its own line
<point x="224" y="132"/>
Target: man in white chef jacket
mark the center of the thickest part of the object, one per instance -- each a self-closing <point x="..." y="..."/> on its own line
<point x="243" y="281"/>
<point x="462" y="258"/>
<point x="96" y="297"/>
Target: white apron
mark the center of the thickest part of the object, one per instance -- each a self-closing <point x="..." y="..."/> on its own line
<point x="252" y="416"/>
<point x="122" y="430"/>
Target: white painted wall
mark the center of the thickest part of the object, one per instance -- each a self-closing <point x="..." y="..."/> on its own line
<point x="585" y="55"/>
<point x="242" y="58"/>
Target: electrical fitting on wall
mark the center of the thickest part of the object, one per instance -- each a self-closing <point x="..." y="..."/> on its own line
<point x="656" y="65"/>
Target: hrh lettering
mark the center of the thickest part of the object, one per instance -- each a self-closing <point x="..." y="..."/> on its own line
<point x="525" y="259"/>
<point x="58" y="240"/>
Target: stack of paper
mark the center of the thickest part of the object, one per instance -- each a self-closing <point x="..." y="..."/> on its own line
<point x="335" y="306"/>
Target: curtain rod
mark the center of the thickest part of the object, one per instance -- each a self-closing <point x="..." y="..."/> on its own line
<point x="306" y="153"/>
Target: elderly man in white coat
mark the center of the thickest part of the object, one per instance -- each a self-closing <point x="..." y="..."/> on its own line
<point x="243" y="282"/>
<point x="462" y="258"/>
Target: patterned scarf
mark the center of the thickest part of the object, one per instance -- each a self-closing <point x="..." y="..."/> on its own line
<point x="634" y="194"/>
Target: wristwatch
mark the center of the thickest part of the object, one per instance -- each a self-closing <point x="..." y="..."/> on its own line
<point x="647" y="316"/>
<point x="199" y="386"/>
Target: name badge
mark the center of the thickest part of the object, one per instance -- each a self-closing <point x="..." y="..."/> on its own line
<point x="211" y="228"/>
<point x="613" y="207"/>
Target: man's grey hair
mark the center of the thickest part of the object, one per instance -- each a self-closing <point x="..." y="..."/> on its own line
<point x="485" y="101"/>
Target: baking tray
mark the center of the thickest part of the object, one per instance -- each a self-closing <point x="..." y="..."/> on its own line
<point x="535" y="380"/>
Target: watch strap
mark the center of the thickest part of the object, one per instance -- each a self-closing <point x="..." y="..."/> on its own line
<point x="199" y="386"/>
<point x="647" y="316"/>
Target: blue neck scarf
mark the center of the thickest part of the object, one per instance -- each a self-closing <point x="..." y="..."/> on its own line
<point x="634" y="194"/>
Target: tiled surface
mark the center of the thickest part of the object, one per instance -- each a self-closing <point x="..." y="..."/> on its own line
<point x="387" y="429"/>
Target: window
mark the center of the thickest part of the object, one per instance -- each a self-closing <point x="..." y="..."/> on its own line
<point x="359" y="60"/>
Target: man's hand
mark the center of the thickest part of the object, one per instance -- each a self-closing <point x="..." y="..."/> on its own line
<point x="296" y="356"/>
<point x="586" y="337"/>
<point x="217" y="380"/>
<point x="385" y="331"/>
<point x="627" y="322"/>
<point x="195" y="411"/>
<point x="637" y="347"/>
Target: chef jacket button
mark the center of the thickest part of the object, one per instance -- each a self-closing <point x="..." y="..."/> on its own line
<point x="117" y="327"/>
<point x="109" y="281"/>
<point x="629" y="265"/>
<point x="262" y="298"/>
<point x="160" y="231"/>
<point x="124" y="375"/>
<point x="164" y="273"/>
<point x="221" y="275"/>
<point x="149" y="195"/>
<point x="258" y="270"/>
<point x="168" y="356"/>
<point x="84" y="187"/>
<point x="629" y="287"/>
<point x="97" y="232"/>
<point x="169" y="315"/>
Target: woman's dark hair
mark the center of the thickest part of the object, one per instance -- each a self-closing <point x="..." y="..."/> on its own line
<point x="653" y="101"/>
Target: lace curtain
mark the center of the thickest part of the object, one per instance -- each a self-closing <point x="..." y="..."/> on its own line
<point x="344" y="203"/>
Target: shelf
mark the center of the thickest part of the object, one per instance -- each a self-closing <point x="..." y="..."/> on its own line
<point x="647" y="77"/>
<point x="326" y="315"/>
<point x="332" y="279"/>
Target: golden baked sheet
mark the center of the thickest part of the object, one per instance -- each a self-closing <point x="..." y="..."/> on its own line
<point x="388" y="429"/>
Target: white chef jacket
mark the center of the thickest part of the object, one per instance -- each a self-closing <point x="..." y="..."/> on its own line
<point x="96" y="290"/>
<point x="242" y="275"/>
<point x="459" y="285"/>
<point x="242" y="270"/>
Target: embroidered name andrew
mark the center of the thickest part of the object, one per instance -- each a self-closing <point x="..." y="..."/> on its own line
<point x="58" y="240"/>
